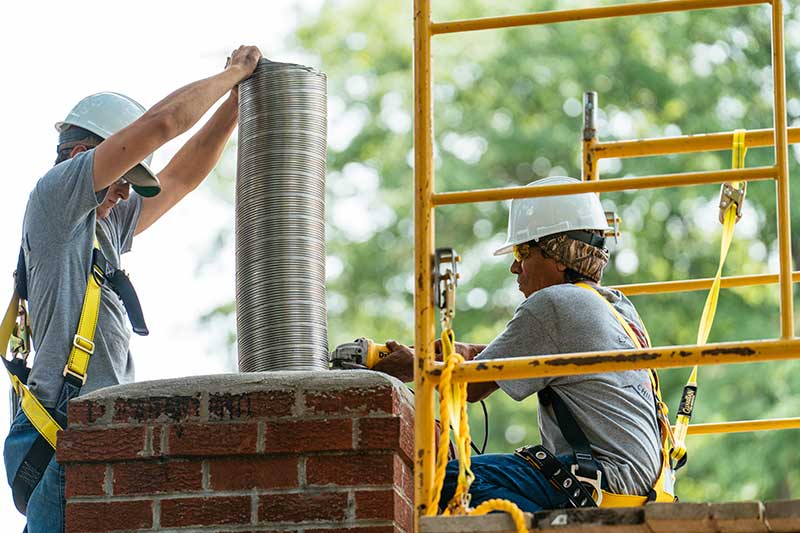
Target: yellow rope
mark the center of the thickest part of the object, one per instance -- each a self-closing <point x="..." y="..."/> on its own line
<point x="453" y="415"/>
<point x="506" y="506"/>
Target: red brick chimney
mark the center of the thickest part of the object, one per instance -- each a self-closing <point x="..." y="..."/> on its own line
<point x="311" y="452"/>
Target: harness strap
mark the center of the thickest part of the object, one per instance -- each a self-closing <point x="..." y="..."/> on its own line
<point x="557" y="475"/>
<point x="581" y="448"/>
<point x="49" y="422"/>
<point x="586" y="465"/>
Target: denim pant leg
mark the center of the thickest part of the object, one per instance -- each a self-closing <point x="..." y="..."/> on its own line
<point x="46" y="506"/>
<point x="508" y="477"/>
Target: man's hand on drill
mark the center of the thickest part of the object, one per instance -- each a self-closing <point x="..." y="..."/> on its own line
<point x="400" y="362"/>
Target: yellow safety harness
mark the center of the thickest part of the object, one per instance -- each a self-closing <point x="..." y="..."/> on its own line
<point x="48" y="422"/>
<point x="453" y="417"/>
<point x="663" y="490"/>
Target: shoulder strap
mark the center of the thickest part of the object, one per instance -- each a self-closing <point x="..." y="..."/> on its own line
<point x="48" y="422"/>
<point x="622" y="322"/>
<point x="21" y="276"/>
<point x="573" y="434"/>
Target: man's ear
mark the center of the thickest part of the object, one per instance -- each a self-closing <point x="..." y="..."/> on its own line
<point x="78" y="149"/>
<point x="561" y="266"/>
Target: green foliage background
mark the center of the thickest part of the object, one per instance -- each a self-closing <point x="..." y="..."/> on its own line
<point x="508" y="111"/>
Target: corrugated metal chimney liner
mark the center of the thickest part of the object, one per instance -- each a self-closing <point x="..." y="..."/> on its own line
<point x="281" y="317"/>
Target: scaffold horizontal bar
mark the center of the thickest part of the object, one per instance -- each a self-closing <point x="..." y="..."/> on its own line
<point x="591" y="13"/>
<point x="661" y="287"/>
<point x="744" y="426"/>
<point x="685" y="144"/>
<point x="609" y="185"/>
<point x="615" y="361"/>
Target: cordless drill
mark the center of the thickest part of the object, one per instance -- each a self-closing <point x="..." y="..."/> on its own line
<point x="361" y="353"/>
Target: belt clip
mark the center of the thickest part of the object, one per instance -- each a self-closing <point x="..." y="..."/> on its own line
<point x="729" y="194"/>
<point x="594" y="483"/>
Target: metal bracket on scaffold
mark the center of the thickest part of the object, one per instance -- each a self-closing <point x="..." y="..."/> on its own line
<point x="729" y="194"/>
<point x="445" y="279"/>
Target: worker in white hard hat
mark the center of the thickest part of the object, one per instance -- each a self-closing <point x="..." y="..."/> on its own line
<point x="80" y="218"/>
<point x="601" y="429"/>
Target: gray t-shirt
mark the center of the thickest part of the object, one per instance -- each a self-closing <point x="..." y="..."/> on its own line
<point x="57" y="238"/>
<point x="615" y="410"/>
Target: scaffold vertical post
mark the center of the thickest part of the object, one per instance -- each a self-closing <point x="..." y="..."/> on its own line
<point x="423" y="257"/>
<point x="589" y="135"/>
<point x="782" y="164"/>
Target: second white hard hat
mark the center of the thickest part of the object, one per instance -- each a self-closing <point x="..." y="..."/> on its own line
<point x="530" y="219"/>
<point x="105" y="114"/>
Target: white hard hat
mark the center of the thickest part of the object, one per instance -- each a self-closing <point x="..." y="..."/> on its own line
<point x="530" y="219"/>
<point x="105" y="114"/>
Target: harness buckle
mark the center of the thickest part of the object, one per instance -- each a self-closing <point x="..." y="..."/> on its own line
<point x="83" y="344"/>
<point x="68" y="372"/>
<point x="594" y="483"/>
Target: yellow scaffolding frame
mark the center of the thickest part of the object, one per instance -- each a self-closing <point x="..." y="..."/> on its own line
<point x="426" y="370"/>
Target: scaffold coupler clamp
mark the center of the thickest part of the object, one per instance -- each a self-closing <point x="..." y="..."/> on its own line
<point x="445" y="273"/>
<point x="731" y="195"/>
<point x="613" y="220"/>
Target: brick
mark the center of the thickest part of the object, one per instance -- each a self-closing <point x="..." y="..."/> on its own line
<point x="156" y="477"/>
<point x="384" y="505"/>
<point x="400" y="472"/>
<point x="155" y="443"/>
<point x="212" y="439"/>
<point x="205" y="511"/>
<point x="378" y="433"/>
<point x="407" y="433"/>
<point x="739" y="516"/>
<point x="403" y="512"/>
<point x="350" y="470"/>
<point x="109" y="516"/>
<point x="245" y="473"/>
<point x="624" y="519"/>
<point x="783" y="515"/>
<point x="157" y="409"/>
<point x="86" y="480"/>
<point x="378" y="400"/>
<point x="302" y="507"/>
<point x="308" y="435"/>
<point x="406" y="481"/>
<point x="374" y="504"/>
<point x="94" y="445"/>
<point x="265" y="404"/>
<point x="85" y="412"/>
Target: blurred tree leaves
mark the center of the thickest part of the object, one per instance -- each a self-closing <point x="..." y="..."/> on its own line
<point x="508" y="111"/>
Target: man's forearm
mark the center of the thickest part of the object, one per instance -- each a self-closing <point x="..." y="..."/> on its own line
<point x="197" y="158"/>
<point x="187" y="105"/>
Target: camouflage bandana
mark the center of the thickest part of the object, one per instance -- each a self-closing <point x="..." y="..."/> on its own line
<point x="581" y="257"/>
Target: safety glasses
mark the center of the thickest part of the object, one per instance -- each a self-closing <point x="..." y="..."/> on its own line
<point x="521" y="251"/>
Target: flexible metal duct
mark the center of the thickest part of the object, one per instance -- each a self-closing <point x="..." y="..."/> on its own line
<point x="281" y="317"/>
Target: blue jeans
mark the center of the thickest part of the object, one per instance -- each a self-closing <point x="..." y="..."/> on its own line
<point x="46" y="506"/>
<point x="508" y="477"/>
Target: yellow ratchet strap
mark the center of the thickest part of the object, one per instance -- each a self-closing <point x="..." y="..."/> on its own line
<point x="729" y="217"/>
<point x="665" y="482"/>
